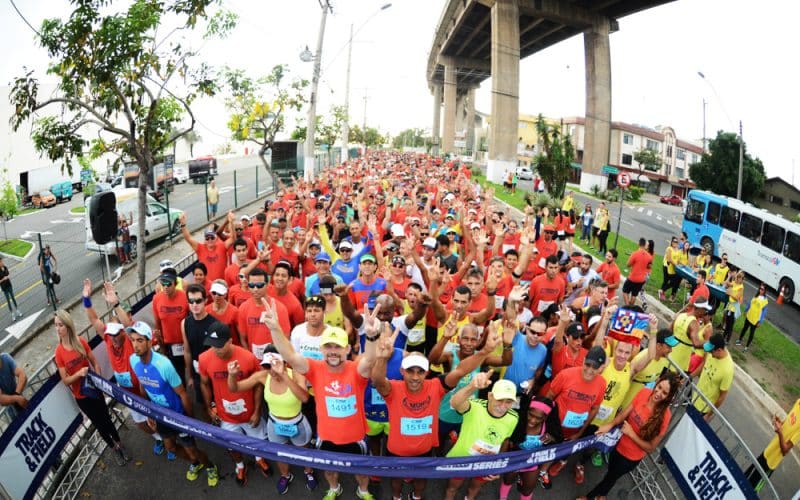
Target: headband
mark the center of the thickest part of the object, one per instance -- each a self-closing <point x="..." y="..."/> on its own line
<point x="539" y="405"/>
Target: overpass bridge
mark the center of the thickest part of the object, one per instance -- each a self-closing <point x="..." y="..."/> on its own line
<point x="478" y="39"/>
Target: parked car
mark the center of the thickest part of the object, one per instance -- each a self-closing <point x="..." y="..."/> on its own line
<point x="115" y="180"/>
<point x="180" y="175"/>
<point x="62" y="191"/>
<point x="43" y="199"/>
<point x="524" y="174"/>
<point x="672" y="199"/>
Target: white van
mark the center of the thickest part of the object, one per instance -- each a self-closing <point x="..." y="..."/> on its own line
<point x="157" y="224"/>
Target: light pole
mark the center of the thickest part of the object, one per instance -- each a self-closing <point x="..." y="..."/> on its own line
<point x="741" y="139"/>
<point x="311" y="121"/>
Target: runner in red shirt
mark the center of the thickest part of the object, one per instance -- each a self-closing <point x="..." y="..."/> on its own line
<point x="640" y="263"/>
<point x="548" y="288"/>
<point x="253" y="334"/>
<point x="213" y="253"/>
<point x="279" y="290"/>
<point x="225" y="312"/>
<point x="609" y="271"/>
<point x="239" y="293"/>
<point x="701" y="289"/>
<point x="240" y="258"/>
<point x="170" y="306"/>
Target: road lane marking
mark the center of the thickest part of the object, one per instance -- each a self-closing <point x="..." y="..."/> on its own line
<point x="641" y="209"/>
<point x="658" y="217"/>
<point x="649" y="213"/>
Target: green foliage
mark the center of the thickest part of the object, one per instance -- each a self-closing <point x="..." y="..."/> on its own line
<point x="411" y="138"/>
<point x="541" y="200"/>
<point x="9" y="203"/>
<point x="595" y="190"/>
<point x="370" y="137"/>
<point x="718" y="170"/>
<point x="634" y="193"/>
<point x="555" y="160"/>
<point x="649" y="159"/>
<point x="331" y="128"/>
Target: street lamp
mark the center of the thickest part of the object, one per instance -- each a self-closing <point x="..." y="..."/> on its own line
<point x="741" y="140"/>
<point x="311" y="121"/>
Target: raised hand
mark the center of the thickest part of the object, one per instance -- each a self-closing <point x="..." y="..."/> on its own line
<point x="109" y="294"/>
<point x="87" y="287"/>
<point x="492" y="339"/>
<point x="482" y="380"/>
<point x="234" y="368"/>
<point x="371" y="323"/>
<point x="340" y="289"/>
<point x="563" y="314"/>
<point x="450" y="328"/>
<point x="269" y="317"/>
<point x="518" y="293"/>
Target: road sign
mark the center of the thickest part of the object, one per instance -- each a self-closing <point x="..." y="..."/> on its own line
<point x="623" y="180"/>
<point x="608" y="169"/>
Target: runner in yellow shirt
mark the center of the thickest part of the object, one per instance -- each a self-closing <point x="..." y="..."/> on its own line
<point x="716" y="375"/>
<point x="787" y="433"/>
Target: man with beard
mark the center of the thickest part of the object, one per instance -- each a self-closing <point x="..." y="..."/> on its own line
<point x="578" y="278"/>
<point x="213" y="253"/>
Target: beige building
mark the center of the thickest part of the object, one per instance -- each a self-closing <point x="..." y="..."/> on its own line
<point x="780" y="197"/>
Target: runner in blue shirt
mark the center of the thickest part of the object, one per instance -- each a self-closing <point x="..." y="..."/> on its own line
<point x="529" y="353"/>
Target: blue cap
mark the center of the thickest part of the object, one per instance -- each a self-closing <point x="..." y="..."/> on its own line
<point x="322" y="256"/>
<point x="141" y="328"/>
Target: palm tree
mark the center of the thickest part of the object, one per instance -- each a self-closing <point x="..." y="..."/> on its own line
<point x="191" y="139"/>
<point x="554" y="161"/>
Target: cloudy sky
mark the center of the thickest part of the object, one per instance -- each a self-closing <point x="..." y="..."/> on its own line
<point x="745" y="50"/>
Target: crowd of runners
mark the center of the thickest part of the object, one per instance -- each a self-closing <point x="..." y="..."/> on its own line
<point x="391" y="308"/>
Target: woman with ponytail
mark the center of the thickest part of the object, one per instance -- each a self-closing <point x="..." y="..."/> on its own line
<point x="74" y="357"/>
<point x="644" y="423"/>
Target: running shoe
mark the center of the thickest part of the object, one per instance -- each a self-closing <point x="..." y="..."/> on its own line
<point x="544" y="480"/>
<point x="241" y="475"/>
<point x="194" y="471"/>
<point x="580" y="474"/>
<point x="264" y="467"/>
<point x="158" y="447"/>
<point x="556" y="468"/>
<point x="746" y="349"/>
<point x="119" y="457"/>
<point x="311" y="481"/>
<point x="364" y="495"/>
<point x="171" y="456"/>
<point x="284" y="482"/>
<point x="738" y="342"/>
<point x="597" y="459"/>
<point x="212" y="474"/>
<point x="332" y="494"/>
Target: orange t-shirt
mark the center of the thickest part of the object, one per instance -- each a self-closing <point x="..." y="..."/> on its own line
<point x="230" y="317"/>
<point x="237" y="296"/>
<point x="293" y="306"/>
<point x="414" y="417"/>
<point x="339" y="399"/>
<point x="121" y="364"/>
<point x="215" y="260"/>
<point x="544" y="291"/>
<point x="610" y="274"/>
<point x="233" y="407"/>
<point x="564" y="359"/>
<point x="258" y="335"/>
<point x="72" y="361"/>
<point x="575" y="397"/>
<point x="637" y="418"/>
<point x="232" y="274"/>
<point x="639" y="262"/>
<point x="171" y="311"/>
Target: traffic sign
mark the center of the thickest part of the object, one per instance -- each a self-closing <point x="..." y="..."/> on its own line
<point x="623" y="180"/>
<point x="608" y="169"/>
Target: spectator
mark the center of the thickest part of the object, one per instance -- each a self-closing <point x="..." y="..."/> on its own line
<point x="716" y="375"/>
<point x="8" y="290"/>
<point x="754" y="314"/>
<point x="12" y="383"/>
<point x="48" y="264"/>
<point x="787" y="433"/>
<point x="212" y="193"/>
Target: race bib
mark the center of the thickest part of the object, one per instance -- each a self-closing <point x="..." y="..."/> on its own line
<point x="377" y="399"/>
<point x="651" y="384"/>
<point x="285" y="430"/>
<point x="604" y="412"/>
<point x="531" y="443"/>
<point x="311" y="354"/>
<point x="561" y="233"/>
<point x="574" y="420"/>
<point x="544" y="304"/>
<point x="340" y="407"/>
<point x="258" y="350"/>
<point x="416" y="426"/>
<point x="542" y="262"/>
<point x="123" y="379"/>
<point x="177" y="349"/>
<point x="416" y="336"/>
<point x="498" y="301"/>
<point x="480" y="447"/>
<point x="158" y="399"/>
<point x="234" y="407"/>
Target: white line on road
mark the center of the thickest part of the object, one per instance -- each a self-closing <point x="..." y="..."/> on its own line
<point x="641" y="209"/>
<point x="649" y="213"/>
<point x="628" y="223"/>
<point x="658" y="217"/>
<point x="669" y="222"/>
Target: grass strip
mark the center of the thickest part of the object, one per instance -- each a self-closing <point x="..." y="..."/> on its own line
<point x="17" y="248"/>
<point x="77" y="210"/>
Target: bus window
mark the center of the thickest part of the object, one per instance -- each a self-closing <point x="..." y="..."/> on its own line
<point x="751" y="227"/>
<point x="694" y="211"/>
<point x="773" y="237"/>
<point x="730" y="219"/>
<point x="713" y="212"/>
<point x="792" y="247"/>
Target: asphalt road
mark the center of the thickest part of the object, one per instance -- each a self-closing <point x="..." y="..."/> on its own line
<point x="66" y="234"/>
<point x="659" y="222"/>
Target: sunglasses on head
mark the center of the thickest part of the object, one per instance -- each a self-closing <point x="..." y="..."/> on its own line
<point x="198" y="300"/>
<point x="257" y="285"/>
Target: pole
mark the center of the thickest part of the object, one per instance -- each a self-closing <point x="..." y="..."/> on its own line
<point x="235" y="197"/>
<point x="169" y="218"/>
<point x="346" y="128"/>
<point x="619" y="219"/>
<point x="108" y="266"/>
<point x="704" y="125"/>
<point x="741" y="162"/>
<point x="205" y="190"/>
<point x="311" y="121"/>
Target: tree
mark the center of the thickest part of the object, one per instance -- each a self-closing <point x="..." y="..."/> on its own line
<point x="116" y="83"/>
<point x="648" y="159"/>
<point x="372" y="137"/>
<point x="258" y="107"/>
<point x="412" y="138"/>
<point x="718" y="170"/>
<point x="555" y="159"/>
<point x="9" y="202"/>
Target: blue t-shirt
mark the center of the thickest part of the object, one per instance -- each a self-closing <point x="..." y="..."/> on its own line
<point x="526" y="361"/>
<point x="312" y="284"/>
<point x="8" y="381"/>
<point x="158" y="379"/>
<point x="347" y="271"/>
<point x="374" y="405"/>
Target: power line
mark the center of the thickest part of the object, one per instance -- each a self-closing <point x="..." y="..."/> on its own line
<point x="23" y="18"/>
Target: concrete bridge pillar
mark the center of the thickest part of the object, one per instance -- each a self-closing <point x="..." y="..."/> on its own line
<point x="450" y="87"/>
<point x="437" y="112"/>
<point x="470" y="122"/>
<point x="505" y="89"/>
<point x="598" y="106"/>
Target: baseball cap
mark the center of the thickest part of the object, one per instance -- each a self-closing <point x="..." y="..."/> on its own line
<point x="322" y="257"/>
<point x="717" y="341"/>
<point x="417" y="360"/>
<point x="549" y="227"/>
<point x="430" y="243"/>
<point x="449" y="215"/>
<point x="702" y="304"/>
<point x="114" y="328"/>
<point x="475" y="225"/>
<point x="504" y="389"/>
<point x="245" y="217"/>
<point x="345" y="244"/>
<point x="397" y="230"/>
<point x="334" y="335"/>
<point x="315" y="243"/>
<point x="165" y="264"/>
<point x="595" y="357"/>
<point x="270" y="357"/>
<point x="437" y="211"/>
<point x="575" y="329"/>
<point x="168" y="275"/>
<point x="141" y="328"/>
<point x="218" y="334"/>
<point x="218" y="288"/>
<point x="472" y="211"/>
<point x="398" y="259"/>
<point x="665" y="336"/>
<point x="368" y="257"/>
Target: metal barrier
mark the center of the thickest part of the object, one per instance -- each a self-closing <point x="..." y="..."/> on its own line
<point x="653" y="480"/>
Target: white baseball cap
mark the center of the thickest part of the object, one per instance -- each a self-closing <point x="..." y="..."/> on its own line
<point x="417" y="360"/>
<point x="218" y="288"/>
<point x="397" y="230"/>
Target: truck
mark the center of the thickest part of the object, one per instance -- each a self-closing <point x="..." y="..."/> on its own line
<point x="160" y="177"/>
<point x="62" y="191"/>
<point x="202" y="169"/>
<point x="45" y="178"/>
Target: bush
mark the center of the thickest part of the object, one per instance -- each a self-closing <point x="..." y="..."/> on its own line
<point x="595" y="190"/>
<point x="612" y="196"/>
<point x="634" y="193"/>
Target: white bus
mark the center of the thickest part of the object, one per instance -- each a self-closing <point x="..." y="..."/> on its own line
<point x="762" y="244"/>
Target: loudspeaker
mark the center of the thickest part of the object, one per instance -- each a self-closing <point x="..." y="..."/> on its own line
<point x="103" y="217"/>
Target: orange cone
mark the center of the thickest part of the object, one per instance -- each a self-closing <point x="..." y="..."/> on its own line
<point x="780" y="296"/>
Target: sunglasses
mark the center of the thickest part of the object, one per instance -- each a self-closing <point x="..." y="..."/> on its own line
<point x="424" y="234"/>
<point x="533" y="332"/>
<point x="257" y="285"/>
<point x="166" y="282"/>
<point x="210" y="237"/>
<point x="315" y="301"/>
<point x="239" y="229"/>
<point x="399" y="265"/>
<point x="196" y="301"/>
<point x="343" y="250"/>
<point x="218" y="294"/>
<point x="550" y="232"/>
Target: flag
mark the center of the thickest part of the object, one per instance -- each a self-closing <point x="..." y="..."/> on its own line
<point x="628" y="326"/>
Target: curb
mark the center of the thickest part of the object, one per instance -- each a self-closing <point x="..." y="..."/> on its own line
<point x="748" y="384"/>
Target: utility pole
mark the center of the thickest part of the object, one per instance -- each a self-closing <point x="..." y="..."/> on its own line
<point x="311" y="122"/>
<point x="346" y="127"/>
<point x="741" y="162"/>
<point x="705" y="103"/>
<point x="366" y="97"/>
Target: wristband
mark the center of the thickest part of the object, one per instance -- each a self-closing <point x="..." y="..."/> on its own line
<point x="490" y="293"/>
<point x="372" y="339"/>
<point x="114" y="306"/>
<point x="87" y="302"/>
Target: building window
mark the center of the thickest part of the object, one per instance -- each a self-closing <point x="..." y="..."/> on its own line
<point x="627" y="139"/>
<point x="681" y="154"/>
<point x="679" y="173"/>
<point x="651" y="144"/>
<point x="694" y="158"/>
<point x="775" y="199"/>
<point x="669" y="151"/>
<point x="627" y="159"/>
<point x="794" y="204"/>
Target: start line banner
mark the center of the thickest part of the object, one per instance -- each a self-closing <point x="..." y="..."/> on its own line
<point x="430" y="468"/>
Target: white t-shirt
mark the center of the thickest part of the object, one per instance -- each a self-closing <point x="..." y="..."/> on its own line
<point x="575" y="275"/>
<point x="305" y="344"/>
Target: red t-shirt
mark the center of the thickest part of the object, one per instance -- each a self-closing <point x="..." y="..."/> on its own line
<point x="229" y="317"/>
<point x="544" y="291"/>
<point x="639" y="262"/>
<point x="293" y="306"/>
<point x="575" y="397"/>
<point x="171" y="311"/>
<point x="121" y="364"/>
<point x="339" y="400"/>
<point x="565" y="359"/>
<point x="251" y="249"/>
<point x="237" y="296"/>
<point x="215" y="260"/>
<point x="232" y="407"/>
<point x="72" y="361"/>
<point x="414" y="417"/>
<point x="232" y="275"/>
<point x="637" y="418"/>
<point x="610" y="274"/>
<point x="700" y="291"/>
<point x="258" y="335"/>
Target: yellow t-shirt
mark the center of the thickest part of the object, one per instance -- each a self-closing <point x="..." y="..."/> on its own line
<point x="568" y="203"/>
<point x="416" y="334"/>
<point x="791" y="433"/>
<point x="682" y="353"/>
<point x="717" y="376"/>
<point x="720" y="274"/>
<point x="452" y="345"/>
<point x="617" y="384"/>
<point x="757" y="305"/>
<point x="646" y="377"/>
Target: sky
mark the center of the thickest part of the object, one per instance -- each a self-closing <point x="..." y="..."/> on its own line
<point x="744" y="49"/>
